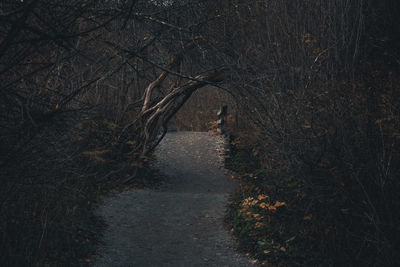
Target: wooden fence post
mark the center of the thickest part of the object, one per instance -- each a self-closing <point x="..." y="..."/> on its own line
<point x="222" y="113"/>
<point x="222" y="117"/>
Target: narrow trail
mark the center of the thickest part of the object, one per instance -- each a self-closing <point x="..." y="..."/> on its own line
<point x="181" y="222"/>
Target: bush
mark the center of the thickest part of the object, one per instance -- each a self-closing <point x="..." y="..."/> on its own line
<point x="325" y="106"/>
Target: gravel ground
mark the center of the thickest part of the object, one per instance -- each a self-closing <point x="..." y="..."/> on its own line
<point x="179" y="223"/>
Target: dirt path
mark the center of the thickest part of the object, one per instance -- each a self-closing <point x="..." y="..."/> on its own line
<point x="179" y="223"/>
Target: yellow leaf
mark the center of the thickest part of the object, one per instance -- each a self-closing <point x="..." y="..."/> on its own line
<point x="259" y="225"/>
<point x="279" y="204"/>
<point x="283" y="249"/>
<point x="263" y="205"/>
<point x="308" y="217"/>
<point x="272" y="208"/>
<point x="267" y="251"/>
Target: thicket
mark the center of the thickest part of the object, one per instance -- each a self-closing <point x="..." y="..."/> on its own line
<point x="66" y="93"/>
<point x="320" y="171"/>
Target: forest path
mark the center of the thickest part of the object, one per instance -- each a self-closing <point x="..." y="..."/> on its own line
<point x="181" y="222"/>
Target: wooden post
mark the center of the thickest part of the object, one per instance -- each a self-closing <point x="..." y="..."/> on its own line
<point x="222" y="113"/>
<point x="222" y="117"/>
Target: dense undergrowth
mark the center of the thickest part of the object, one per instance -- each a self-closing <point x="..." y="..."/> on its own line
<point x="52" y="223"/>
<point x="267" y="215"/>
<point x="324" y="216"/>
<point x="319" y="157"/>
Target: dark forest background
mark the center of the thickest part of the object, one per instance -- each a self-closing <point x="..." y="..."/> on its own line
<point x="86" y="88"/>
